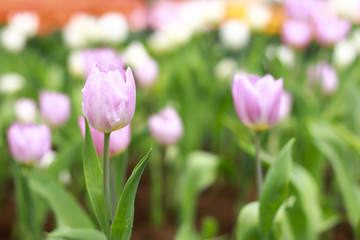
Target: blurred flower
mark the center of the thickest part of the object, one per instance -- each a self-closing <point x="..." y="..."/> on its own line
<point x="160" y="42"/>
<point x="286" y="55"/>
<point x="349" y="9"/>
<point x="102" y="56"/>
<point x="225" y="68"/>
<point x="81" y="30"/>
<point x="76" y="64"/>
<point x="119" y="139"/>
<point x="285" y="105"/>
<point x="65" y="177"/>
<point x="329" y="29"/>
<point x="28" y="143"/>
<point x="54" y="108"/>
<point x="303" y="9"/>
<point x="135" y="53"/>
<point x="11" y="83"/>
<point x="296" y="34"/>
<point x="146" y="72"/>
<point x="234" y="34"/>
<point x="345" y="53"/>
<point x="258" y="16"/>
<point x="138" y="19"/>
<point x="166" y="126"/>
<point x="257" y="100"/>
<point x="113" y="28"/>
<point x="25" y="22"/>
<point x="109" y="98"/>
<point x="324" y="75"/>
<point x="26" y="110"/>
<point x="12" y="39"/>
<point x="47" y="159"/>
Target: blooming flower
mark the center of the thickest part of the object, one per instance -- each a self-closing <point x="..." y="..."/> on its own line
<point x="324" y="75"/>
<point x="166" y="126"/>
<point x="54" y="108"/>
<point x="119" y="139"/>
<point x="146" y="72"/>
<point x="28" y="143"/>
<point x="109" y="97"/>
<point x="285" y="105"/>
<point x="25" y="110"/>
<point x="296" y="34"/>
<point x="257" y="100"/>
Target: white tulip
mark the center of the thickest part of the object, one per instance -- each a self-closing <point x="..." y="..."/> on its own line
<point x="26" y="110"/>
<point x="25" y="22"/>
<point x="113" y="28"/>
<point x="234" y="34"/>
<point x="12" y="39"/>
<point x="11" y="83"/>
<point x="345" y="53"/>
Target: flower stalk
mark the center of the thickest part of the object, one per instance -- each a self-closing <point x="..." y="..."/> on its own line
<point x="106" y="181"/>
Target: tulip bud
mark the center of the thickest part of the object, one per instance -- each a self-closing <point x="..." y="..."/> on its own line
<point x="257" y="100"/>
<point x="26" y="22"/>
<point x="28" y="143"/>
<point x="296" y="34"/>
<point x="11" y="83"/>
<point x="329" y="29"/>
<point x="146" y="72"/>
<point x="109" y="97"/>
<point x="324" y="75"/>
<point x="166" y="126"/>
<point x="54" y="108"/>
<point x="345" y="53"/>
<point x="26" y="110"/>
<point x="119" y="139"/>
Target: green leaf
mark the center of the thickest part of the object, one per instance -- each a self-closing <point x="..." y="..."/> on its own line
<point x="66" y="209"/>
<point x="209" y="227"/>
<point x="187" y="232"/>
<point x="275" y="188"/>
<point x="124" y="216"/>
<point x="94" y="180"/>
<point x="76" y="234"/>
<point x="328" y="143"/>
<point x="247" y="227"/>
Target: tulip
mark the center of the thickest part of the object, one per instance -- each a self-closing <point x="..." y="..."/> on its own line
<point x="166" y="126"/>
<point x="345" y="53"/>
<point x="109" y="97"/>
<point x="235" y="34"/>
<point x="54" y="108"/>
<point x="324" y="75"/>
<point x="11" y="82"/>
<point x="26" y="110"/>
<point x="296" y="34"/>
<point x="302" y="10"/>
<point x="257" y="100"/>
<point x="119" y="139"/>
<point x="28" y="143"/>
<point x="113" y="28"/>
<point x="146" y="72"/>
<point x="26" y="22"/>
<point x="329" y="29"/>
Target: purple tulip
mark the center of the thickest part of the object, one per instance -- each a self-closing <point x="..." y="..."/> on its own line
<point x="285" y="105"/>
<point x="54" y="108"/>
<point x="329" y="29"/>
<point x="109" y="97"/>
<point x="146" y="72"/>
<point x="324" y="75"/>
<point x="28" y="143"/>
<point x="119" y="139"/>
<point x="296" y="34"/>
<point x="103" y="57"/>
<point x="166" y="126"/>
<point x="257" y="100"/>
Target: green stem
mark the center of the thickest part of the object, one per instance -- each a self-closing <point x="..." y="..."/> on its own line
<point x="259" y="174"/>
<point x="106" y="181"/>
<point x="25" y="206"/>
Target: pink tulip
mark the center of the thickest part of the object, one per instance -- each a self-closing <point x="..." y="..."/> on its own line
<point x="54" y="108"/>
<point x="329" y="29"/>
<point x="119" y="139"/>
<point x="324" y="75"/>
<point x="285" y="105"/>
<point x="296" y="34"/>
<point x="109" y="97"/>
<point x="101" y="56"/>
<point x="303" y="9"/>
<point x="166" y="126"/>
<point x="257" y="100"/>
<point x="28" y="143"/>
<point x="146" y="72"/>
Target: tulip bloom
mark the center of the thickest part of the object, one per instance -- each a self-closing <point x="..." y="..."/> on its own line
<point x="28" y="143"/>
<point x="285" y="105"/>
<point x="324" y="75"/>
<point x="296" y="34"/>
<point x="109" y="97"/>
<point x="329" y="29"/>
<point x="146" y="72"/>
<point x="26" y="110"/>
<point x="54" y="108"/>
<point x="119" y="139"/>
<point x="257" y="100"/>
<point x="166" y="126"/>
